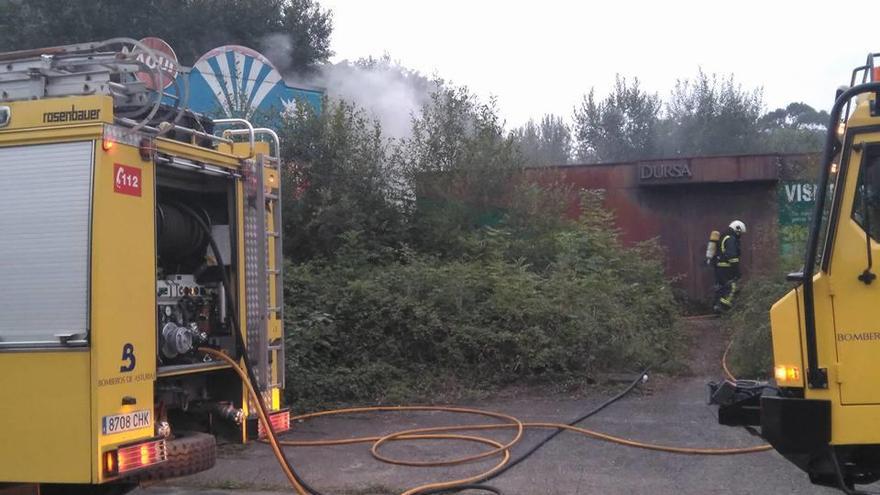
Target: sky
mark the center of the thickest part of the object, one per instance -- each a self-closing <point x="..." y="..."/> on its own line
<point x="541" y="57"/>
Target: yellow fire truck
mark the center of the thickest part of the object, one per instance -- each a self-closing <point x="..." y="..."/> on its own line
<point x="824" y="409"/>
<point x="132" y="233"/>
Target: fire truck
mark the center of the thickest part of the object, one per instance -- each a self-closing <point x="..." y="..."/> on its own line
<point x="823" y="409"/>
<point x="137" y="239"/>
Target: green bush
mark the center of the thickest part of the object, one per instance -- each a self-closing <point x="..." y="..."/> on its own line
<point x="337" y="180"/>
<point x="751" y="353"/>
<point x="397" y="326"/>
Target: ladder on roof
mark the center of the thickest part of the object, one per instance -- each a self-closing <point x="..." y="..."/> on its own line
<point x="108" y="67"/>
<point x="79" y="70"/>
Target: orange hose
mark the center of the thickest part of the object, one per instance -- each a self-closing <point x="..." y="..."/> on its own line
<point x="428" y="433"/>
<point x="585" y="431"/>
<point x="437" y="433"/>
<point x="410" y="434"/>
<point x="276" y="448"/>
<point x="724" y="367"/>
<point x="434" y="433"/>
<point x="652" y="446"/>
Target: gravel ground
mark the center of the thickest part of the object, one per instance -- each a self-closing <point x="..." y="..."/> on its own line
<point x="667" y="410"/>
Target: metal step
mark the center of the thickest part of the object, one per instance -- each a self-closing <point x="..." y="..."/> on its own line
<point x="271" y="162"/>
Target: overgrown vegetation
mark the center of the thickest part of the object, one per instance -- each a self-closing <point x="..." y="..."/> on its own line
<point x="751" y="353"/>
<point x="429" y="265"/>
<point x="384" y="327"/>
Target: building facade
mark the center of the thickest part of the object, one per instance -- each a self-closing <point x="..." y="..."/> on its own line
<point x="680" y="201"/>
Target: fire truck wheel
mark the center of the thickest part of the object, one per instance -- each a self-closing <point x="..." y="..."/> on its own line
<point x="188" y="453"/>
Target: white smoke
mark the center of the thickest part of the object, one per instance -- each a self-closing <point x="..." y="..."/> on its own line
<point x="389" y="92"/>
<point x="278" y="47"/>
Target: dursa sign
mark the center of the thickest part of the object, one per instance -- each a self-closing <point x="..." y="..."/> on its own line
<point x="664" y="171"/>
<point x="165" y="60"/>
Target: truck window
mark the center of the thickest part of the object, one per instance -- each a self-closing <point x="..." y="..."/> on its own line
<point x="866" y="207"/>
<point x="45" y="206"/>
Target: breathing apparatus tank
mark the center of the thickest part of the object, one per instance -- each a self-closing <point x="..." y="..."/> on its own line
<point x="712" y="247"/>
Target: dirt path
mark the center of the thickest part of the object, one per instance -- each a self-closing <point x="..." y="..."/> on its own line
<point x="672" y="411"/>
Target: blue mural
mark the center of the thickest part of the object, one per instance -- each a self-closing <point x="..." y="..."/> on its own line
<point x="235" y="81"/>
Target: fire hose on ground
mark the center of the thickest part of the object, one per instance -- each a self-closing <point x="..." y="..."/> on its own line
<point x="445" y="433"/>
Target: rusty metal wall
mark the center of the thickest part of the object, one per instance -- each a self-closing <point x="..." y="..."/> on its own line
<point x="686" y="215"/>
<point x="682" y="212"/>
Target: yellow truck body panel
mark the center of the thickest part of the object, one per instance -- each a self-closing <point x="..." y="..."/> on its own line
<point x="46" y="413"/>
<point x="61" y="402"/>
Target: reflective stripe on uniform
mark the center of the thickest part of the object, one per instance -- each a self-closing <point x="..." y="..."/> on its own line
<point x="726" y="263"/>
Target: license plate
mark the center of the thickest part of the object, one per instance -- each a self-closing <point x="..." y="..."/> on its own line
<point x="118" y="423"/>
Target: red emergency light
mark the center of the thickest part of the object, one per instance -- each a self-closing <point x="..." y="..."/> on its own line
<point x="280" y="422"/>
<point x="133" y="457"/>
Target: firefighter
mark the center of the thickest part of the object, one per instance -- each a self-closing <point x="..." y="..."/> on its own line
<point x="727" y="266"/>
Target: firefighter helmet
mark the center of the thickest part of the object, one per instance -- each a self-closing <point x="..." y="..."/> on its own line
<point x="738" y="226"/>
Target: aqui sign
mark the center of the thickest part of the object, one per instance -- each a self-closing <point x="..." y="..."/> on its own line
<point x="162" y="58"/>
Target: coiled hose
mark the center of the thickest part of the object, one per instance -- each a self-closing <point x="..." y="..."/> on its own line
<point x="443" y="432"/>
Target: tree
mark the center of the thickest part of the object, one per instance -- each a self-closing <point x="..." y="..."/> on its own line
<point x="620" y="127"/>
<point x="545" y="143"/>
<point x="348" y="181"/>
<point x="192" y="27"/>
<point x="338" y="183"/>
<point x="797" y="128"/>
<point x="458" y="133"/>
<point x="457" y="166"/>
<point x="711" y="116"/>
<point x="309" y="28"/>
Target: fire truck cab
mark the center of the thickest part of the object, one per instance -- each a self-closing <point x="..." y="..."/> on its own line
<point x="132" y="233"/>
<point x="822" y="410"/>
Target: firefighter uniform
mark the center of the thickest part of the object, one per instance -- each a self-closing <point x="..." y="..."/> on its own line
<point x="727" y="270"/>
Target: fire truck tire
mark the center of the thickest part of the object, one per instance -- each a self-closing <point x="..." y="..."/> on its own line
<point x="189" y="452"/>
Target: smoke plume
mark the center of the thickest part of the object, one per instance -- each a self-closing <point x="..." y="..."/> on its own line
<point x="278" y="47"/>
<point x="390" y="92"/>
